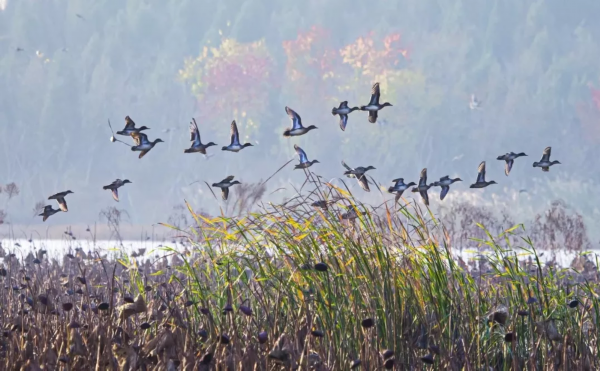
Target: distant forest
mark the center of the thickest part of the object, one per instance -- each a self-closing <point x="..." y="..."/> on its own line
<point x="67" y="66"/>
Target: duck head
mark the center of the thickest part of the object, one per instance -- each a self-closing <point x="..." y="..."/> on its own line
<point x="386" y="104"/>
<point x="457" y="180"/>
<point x="68" y="192"/>
<point x="354" y="109"/>
<point x="411" y="184"/>
<point x="521" y="154"/>
<point x="492" y="182"/>
<point x="210" y="144"/>
<point x="555" y="163"/>
<point x="311" y="127"/>
<point x="315" y="162"/>
<point x="234" y="182"/>
<point x="435" y="184"/>
<point x="247" y="145"/>
<point x="158" y="141"/>
<point x="143" y="128"/>
<point x="370" y="168"/>
<point x="126" y="181"/>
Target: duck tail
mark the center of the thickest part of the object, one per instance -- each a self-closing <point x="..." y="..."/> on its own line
<point x="391" y="190"/>
<point x="334" y="111"/>
<point x="286" y="134"/>
<point x="187" y="150"/>
<point x="535" y="164"/>
<point x="106" y="187"/>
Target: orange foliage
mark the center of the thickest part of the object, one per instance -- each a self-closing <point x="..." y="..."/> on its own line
<point x="365" y="56"/>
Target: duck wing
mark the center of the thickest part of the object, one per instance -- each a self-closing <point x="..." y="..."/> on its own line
<point x="364" y="183"/>
<point x="425" y="197"/>
<point x="296" y="120"/>
<point x="140" y="138"/>
<point x="225" y="193"/>
<point x="344" y="104"/>
<point x="374" y="95"/>
<point x="62" y="204"/>
<point x="423" y="178"/>
<point x="508" y="166"/>
<point x="47" y="208"/>
<point x="115" y="194"/>
<point x="398" y="195"/>
<point x="546" y="155"/>
<point x="481" y="173"/>
<point x="446" y="177"/>
<point x="235" y="135"/>
<point x="372" y="117"/>
<point x="194" y="133"/>
<point x="444" y="192"/>
<point x="143" y="153"/>
<point x="129" y="124"/>
<point x="343" y="121"/>
<point x="301" y="154"/>
<point x="228" y="179"/>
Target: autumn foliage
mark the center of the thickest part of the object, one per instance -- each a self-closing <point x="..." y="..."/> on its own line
<point x="232" y="77"/>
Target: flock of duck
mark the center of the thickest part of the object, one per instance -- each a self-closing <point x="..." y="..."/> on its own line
<point x="143" y="145"/>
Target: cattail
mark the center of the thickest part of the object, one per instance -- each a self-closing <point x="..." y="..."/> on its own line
<point x="321" y="267"/>
<point x="428" y="359"/>
<point x="367" y="323"/>
<point x="262" y="337"/>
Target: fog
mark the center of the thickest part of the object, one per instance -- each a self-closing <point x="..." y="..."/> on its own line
<point x="69" y="66"/>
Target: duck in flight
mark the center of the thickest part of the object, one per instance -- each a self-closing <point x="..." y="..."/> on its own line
<point x="48" y="212"/>
<point x="359" y="174"/>
<point x="545" y="162"/>
<point x="297" y="128"/>
<point x="422" y="188"/>
<point x="224" y="185"/>
<point x="343" y="111"/>
<point x="197" y="145"/>
<point x="114" y="186"/>
<point x="142" y="144"/>
<point x="374" y="104"/>
<point x="130" y="127"/>
<point x="60" y="198"/>
<point x="399" y="187"/>
<point x="235" y="145"/>
<point x="304" y="163"/>
<point x="510" y="159"/>
<point x="348" y="173"/>
<point x="480" y="182"/>
<point x="474" y="103"/>
<point x="445" y="183"/>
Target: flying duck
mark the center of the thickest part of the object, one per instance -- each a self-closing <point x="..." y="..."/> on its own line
<point x="235" y="145"/>
<point x="130" y="127"/>
<point x="343" y="110"/>
<point x="480" y="182"/>
<point x="374" y="105"/>
<point x="399" y="187"/>
<point x="359" y="174"/>
<point x="510" y="159"/>
<point x="142" y="143"/>
<point x="545" y="162"/>
<point x="48" y="212"/>
<point x="423" y="187"/>
<point x="197" y="145"/>
<point x="304" y="163"/>
<point x="114" y="186"/>
<point x="297" y="128"/>
<point x="60" y="198"/>
<point x="445" y="183"/>
<point x="351" y="213"/>
<point x="474" y="103"/>
<point x="225" y="184"/>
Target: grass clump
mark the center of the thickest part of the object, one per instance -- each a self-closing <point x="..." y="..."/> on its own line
<point x="296" y="286"/>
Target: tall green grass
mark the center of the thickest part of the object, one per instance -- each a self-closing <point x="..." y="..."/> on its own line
<point x="391" y="265"/>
